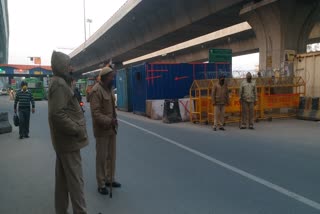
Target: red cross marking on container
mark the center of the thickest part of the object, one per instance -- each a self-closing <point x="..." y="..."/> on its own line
<point x="180" y="78"/>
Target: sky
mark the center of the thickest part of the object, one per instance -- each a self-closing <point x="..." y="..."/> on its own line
<point x="248" y="62"/>
<point x="37" y="27"/>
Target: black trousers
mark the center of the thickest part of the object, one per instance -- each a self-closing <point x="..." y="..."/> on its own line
<point x="24" y="120"/>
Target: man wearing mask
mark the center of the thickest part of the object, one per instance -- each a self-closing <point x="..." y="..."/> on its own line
<point x="105" y="125"/>
<point x="24" y="98"/>
<point x="68" y="135"/>
<point x="248" y="99"/>
<point x="220" y="98"/>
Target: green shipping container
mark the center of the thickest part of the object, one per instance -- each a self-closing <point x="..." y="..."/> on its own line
<point x="220" y="55"/>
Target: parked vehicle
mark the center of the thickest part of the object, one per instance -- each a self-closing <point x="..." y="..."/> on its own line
<point x="90" y="83"/>
<point x="4" y="91"/>
<point x="36" y="88"/>
<point x="81" y="85"/>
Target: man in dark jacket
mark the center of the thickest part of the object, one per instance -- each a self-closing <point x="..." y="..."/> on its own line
<point x="68" y="135"/>
<point x="24" y="98"/>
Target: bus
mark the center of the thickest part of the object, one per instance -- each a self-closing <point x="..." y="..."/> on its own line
<point x="81" y="84"/>
<point x="35" y="86"/>
<point x="91" y="81"/>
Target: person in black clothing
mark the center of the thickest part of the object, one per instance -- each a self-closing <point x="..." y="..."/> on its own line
<point x="24" y="98"/>
<point x="77" y="94"/>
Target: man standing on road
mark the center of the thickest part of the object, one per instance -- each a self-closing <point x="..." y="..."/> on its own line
<point x="220" y="98"/>
<point x="24" y="98"/>
<point x="248" y="99"/>
<point x="105" y="125"/>
<point x="68" y="135"/>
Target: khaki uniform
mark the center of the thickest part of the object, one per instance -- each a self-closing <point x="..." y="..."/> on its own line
<point x="103" y="111"/>
<point x="68" y="135"/>
<point x="220" y="98"/>
<point x="248" y="96"/>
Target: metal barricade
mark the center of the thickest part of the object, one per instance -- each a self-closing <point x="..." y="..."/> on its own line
<point x="277" y="98"/>
<point x="200" y="96"/>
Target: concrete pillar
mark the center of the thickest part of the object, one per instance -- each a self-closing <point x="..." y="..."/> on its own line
<point x="280" y="25"/>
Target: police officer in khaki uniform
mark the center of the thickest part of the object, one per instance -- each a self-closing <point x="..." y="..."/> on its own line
<point x="248" y="99"/>
<point x="220" y="98"/>
<point x="68" y="135"/>
<point x="105" y="125"/>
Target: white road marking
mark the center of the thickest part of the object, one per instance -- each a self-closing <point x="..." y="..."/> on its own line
<point x="266" y="183"/>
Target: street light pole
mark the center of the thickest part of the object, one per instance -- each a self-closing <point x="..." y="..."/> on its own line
<point x="89" y="23"/>
<point x="84" y="20"/>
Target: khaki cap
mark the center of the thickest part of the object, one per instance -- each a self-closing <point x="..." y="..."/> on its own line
<point x="105" y="71"/>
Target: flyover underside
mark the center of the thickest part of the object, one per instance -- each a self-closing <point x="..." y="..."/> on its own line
<point x="205" y="26"/>
<point x="241" y="43"/>
<point x="143" y="31"/>
<point x="314" y="40"/>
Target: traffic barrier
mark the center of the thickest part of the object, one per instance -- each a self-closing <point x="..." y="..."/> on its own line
<point x="315" y="103"/>
<point x="5" y="126"/>
<point x="154" y="109"/>
<point x="171" y="111"/>
<point x="184" y="106"/>
<point x="278" y="105"/>
<point x="302" y="103"/>
<point x="313" y="115"/>
<point x="309" y="108"/>
<point x="200" y="99"/>
<point x="148" y="108"/>
<point x="271" y="103"/>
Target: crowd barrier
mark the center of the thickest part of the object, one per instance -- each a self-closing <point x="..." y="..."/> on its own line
<point x="309" y="108"/>
<point x="277" y="98"/>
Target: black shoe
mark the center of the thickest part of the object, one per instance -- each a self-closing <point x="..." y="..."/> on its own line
<point x="214" y="129"/>
<point x="251" y="127"/>
<point x="114" y="184"/>
<point x="243" y="127"/>
<point x="103" y="191"/>
<point x="221" y="128"/>
<point x="20" y="137"/>
<point x="26" y="136"/>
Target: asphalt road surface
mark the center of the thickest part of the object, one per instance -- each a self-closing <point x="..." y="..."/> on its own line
<point x="178" y="168"/>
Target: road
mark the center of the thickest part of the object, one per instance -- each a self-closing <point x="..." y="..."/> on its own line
<point x="178" y="168"/>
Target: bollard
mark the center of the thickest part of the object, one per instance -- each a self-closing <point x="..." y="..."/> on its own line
<point x="5" y="126"/>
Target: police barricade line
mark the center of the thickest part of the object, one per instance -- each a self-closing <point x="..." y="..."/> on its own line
<point x="268" y="106"/>
<point x="309" y="108"/>
<point x="155" y="109"/>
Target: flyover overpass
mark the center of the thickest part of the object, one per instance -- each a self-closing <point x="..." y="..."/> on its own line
<point x="4" y="32"/>
<point x="240" y="38"/>
<point x="142" y="27"/>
